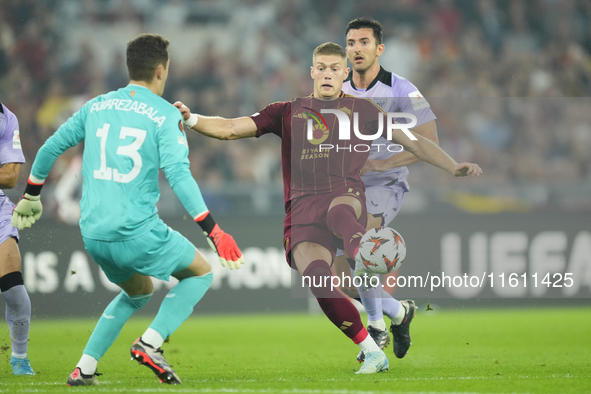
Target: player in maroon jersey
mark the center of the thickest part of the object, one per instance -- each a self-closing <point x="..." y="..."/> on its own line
<point x="324" y="195"/>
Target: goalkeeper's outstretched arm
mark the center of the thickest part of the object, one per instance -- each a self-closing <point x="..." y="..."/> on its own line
<point x="217" y="127"/>
<point x="187" y="190"/>
<point x="29" y="208"/>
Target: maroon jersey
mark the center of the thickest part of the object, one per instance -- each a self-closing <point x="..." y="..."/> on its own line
<point x="325" y="162"/>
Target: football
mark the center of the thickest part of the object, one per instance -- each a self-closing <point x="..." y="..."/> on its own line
<point x="382" y="250"/>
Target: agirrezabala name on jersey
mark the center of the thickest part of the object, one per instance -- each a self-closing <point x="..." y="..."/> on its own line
<point x="128" y="106"/>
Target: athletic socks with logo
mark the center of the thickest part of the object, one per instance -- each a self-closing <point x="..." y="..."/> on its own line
<point x="18" y="311"/>
<point x="339" y="310"/>
<point x="371" y="298"/>
<point x="378" y="302"/>
<point x="178" y="305"/>
<point x="111" y="321"/>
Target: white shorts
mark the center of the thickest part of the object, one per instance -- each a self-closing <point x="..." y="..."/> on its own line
<point x="384" y="201"/>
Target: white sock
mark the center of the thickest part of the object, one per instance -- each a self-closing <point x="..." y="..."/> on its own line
<point x="368" y="345"/>
<point x="379" y="324"/>
<point x="87" y="364"/>
<point x="153" y="338"/>
<point x="19" y="356"/>
<point x="400" y="315"/>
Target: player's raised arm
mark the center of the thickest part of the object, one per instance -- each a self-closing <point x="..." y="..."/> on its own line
<point x="29" y="208"/>
<point x="174" y="161"/>
<point x="427" y="130"/>
<point x="426" y="150"/>
<point x="217" y="127"/>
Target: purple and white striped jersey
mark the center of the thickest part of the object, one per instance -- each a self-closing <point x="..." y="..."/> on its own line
<point x="10" y="143"/>
<point x="394" y="94"/>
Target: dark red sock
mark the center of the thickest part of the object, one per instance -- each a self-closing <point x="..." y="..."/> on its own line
<point x="339" y="310"/>
<point x="342" y="221"/>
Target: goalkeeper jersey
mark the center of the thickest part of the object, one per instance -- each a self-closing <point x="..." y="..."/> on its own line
<point x="128" y="135"/>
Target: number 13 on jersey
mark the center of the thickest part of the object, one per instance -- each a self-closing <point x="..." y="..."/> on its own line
<point x="131" y="150"/>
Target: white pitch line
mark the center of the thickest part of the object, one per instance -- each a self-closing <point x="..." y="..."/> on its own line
<point x="250" y="391"/>
<point x="352" y="379"/>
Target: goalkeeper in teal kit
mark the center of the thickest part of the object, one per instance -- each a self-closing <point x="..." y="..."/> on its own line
<point x="128" y="135"/>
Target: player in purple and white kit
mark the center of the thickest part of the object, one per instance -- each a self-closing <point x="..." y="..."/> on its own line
<point x="18" y="305"/>
<point x="385" y="173"/>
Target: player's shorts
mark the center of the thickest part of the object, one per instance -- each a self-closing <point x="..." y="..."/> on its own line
<point x="6" y="229"/>
<point x="306" y="221"/>
<point x="384" y="201"/>
<point x="159" y="252"/>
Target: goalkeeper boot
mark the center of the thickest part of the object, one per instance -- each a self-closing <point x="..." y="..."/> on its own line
<point x="380" y="337"/>
<point x="374" y="362"/>
<point x="77" y="378"/>
<point x="154" y="359"/>
<point x="21" y="366"/>
<point x="400" y="332"/>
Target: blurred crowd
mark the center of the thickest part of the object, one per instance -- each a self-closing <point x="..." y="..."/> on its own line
<point x="231" y="58"/>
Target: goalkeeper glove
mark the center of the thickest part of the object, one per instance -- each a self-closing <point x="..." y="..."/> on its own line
<point x="29" y="208"/>
<point x="221" y="243"/>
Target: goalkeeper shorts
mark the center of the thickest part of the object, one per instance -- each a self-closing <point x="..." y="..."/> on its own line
<point x="159" y="252"/>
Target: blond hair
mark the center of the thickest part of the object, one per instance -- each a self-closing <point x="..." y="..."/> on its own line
<point x="330" y="48"/>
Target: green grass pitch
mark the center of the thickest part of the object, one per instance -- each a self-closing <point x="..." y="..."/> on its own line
<point x="468" y="351"/>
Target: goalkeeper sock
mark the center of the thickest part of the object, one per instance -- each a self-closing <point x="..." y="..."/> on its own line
<point x="18" y="311"/>
<point x="111" y="321"/>
<point x="342" y="221"/>
<point x="87" y="364"/>
<point x="179" y="303"/>
<point x="152" y="338"/>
